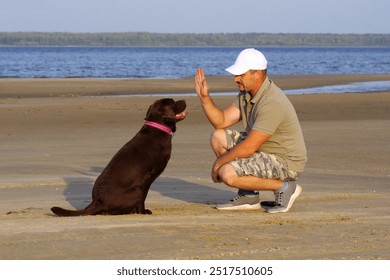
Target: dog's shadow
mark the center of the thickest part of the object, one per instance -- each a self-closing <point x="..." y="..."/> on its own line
<point x="78" y="190"/>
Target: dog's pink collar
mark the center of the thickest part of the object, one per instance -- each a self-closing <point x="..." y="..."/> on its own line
<point x="160" y="126"/>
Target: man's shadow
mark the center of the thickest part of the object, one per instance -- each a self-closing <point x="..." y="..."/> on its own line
<point x="78" y="190"/>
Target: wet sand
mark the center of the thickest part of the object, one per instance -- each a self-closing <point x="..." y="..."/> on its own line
<point x="58" y="134"/>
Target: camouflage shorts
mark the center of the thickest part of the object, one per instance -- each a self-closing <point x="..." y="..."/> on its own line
<point x="260" y="164"/>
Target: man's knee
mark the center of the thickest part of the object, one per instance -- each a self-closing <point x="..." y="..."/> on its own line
<point x="218" y="141"/>
<point x="228" y="175"/>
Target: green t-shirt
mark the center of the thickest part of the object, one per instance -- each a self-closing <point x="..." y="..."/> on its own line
<point x="270" y="111"/>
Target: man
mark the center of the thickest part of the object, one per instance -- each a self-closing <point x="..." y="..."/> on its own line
<point x="270" y="154"/>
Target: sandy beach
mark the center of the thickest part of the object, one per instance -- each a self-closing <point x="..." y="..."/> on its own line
<point x="57" y="135"/>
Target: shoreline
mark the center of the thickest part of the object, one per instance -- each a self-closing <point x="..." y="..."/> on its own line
<point x="55" y="87"/>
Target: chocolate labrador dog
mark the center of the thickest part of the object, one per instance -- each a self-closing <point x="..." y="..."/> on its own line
<point x="123" y="185"/>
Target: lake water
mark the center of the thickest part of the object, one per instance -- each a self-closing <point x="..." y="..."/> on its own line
<point x="109" y="62"/>
<point x="130" y="62"/>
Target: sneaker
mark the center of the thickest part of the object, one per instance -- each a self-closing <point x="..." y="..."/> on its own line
<point x="285" y="199"/>
<point x="267" y="204"/>
<point x="242" y="202"/>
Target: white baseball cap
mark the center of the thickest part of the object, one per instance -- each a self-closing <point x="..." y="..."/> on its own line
<point x="248" y="59"/>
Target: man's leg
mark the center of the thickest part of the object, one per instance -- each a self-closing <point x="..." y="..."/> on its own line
<point x="285" y="192"/>
<point x="251" y="183"/>
<point x="219" y="144"/>
<point x="260" y="172"/>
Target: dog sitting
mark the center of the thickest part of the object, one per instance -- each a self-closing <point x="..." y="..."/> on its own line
<point x="124" y="183"/>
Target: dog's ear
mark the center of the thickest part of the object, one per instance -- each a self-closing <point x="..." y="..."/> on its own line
<point x="149" y="116"/>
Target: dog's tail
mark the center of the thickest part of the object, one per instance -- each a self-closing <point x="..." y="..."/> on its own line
<point x="89" y="210"/>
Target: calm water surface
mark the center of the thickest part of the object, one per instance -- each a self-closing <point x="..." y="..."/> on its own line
<point x="109" y="62"/>
<point x="152" y="63"/>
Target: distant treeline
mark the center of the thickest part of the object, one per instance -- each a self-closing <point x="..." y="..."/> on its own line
<point x="144" y="39"/>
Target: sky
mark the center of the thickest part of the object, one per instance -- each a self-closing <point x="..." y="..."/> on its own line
<point x="196" y="16"/>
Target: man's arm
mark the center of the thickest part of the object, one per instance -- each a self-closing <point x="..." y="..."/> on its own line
<point x="217" y="117"/>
